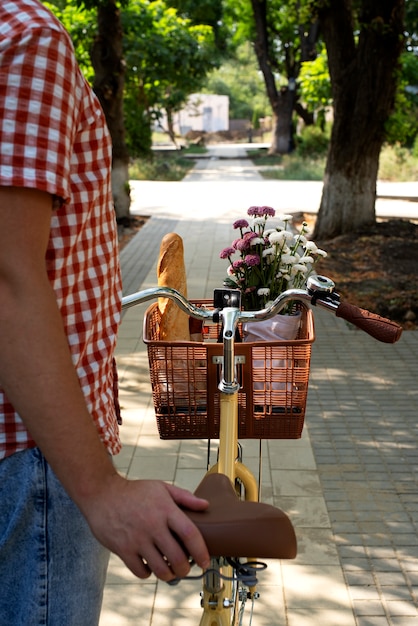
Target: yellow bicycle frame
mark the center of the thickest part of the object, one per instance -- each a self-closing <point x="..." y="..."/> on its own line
<point x="217" y="606"/>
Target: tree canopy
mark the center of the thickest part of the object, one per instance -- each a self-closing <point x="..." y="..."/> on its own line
<point x="166" y="55"/>
<point x="167" y="59"/>
<point x="368" y="71"/>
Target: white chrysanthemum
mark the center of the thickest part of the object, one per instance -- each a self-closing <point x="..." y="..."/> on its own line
<point x="258" y="220"/>
<point x="321" y="252"/>
<point x="307" y="259"/>
<point x="285" y="217"/>
<point x="289" y="259"/>
<point x="263" y="291"/>
<point x="311" y="246"/>
<point x="299" y="267"/>
<point x="280" y="236"/>
<point x="267" y="252"/>
<point x="256" y="240"/>
<point x="285" y="269"/>
<point x="276" y="236"/>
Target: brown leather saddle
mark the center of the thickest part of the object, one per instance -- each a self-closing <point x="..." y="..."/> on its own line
<point x="235" y="528"/>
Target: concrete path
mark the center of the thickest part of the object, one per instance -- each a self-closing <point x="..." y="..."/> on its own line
<point x="349" y="485"/>
<point x="239" y="185"/>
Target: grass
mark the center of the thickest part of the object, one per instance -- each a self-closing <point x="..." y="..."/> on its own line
<point x="297" y="168"/>
<point x="396" y="164"/>
<point x="169" y="165"/>
<point x="288" y="166"/>
<point x="195" y="149"/>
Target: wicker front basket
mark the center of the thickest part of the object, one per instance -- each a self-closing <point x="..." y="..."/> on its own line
<point x="273" y="383"/>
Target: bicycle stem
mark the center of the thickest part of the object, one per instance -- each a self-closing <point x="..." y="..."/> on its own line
<point x="319" y="292"/>
<point x="230" y="318"/>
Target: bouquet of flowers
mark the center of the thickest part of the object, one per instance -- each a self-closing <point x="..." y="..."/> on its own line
<point x="264" y="262"/>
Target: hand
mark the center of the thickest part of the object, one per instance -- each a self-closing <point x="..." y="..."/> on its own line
<point x="142" y="523"/>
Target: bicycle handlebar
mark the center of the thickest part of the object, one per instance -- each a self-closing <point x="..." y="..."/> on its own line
<point x="378" y="327"/>
<point x="319" y="292"/>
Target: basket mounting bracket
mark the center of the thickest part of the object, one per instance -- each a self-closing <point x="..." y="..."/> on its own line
<point x="239" y="360"/>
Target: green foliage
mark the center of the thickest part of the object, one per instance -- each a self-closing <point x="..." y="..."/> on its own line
<point x="94" y="4"/>
<point x="138" y="126"/>
<point x="315" y="86"/>
<point x="296" y="168"/>
<point x="82" y="26"/>
<point x="289" y="166"/>
<point x="411" y="23"/>
<point x="402" y="126"/>
<point x="168" y="54"/>
<point x="312" y="142"/>
<point x="209" y="12"/>
<point x="260" y="157"/>
<point x="167" y="58"/>
<point x="398" y="164"/>
<point x="286" y="23"/>
<point x="240" y="79"/>
<point x="168" y="166"/>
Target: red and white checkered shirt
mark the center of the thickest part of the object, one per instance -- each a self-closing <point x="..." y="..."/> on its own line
<point x="53" y="137"/>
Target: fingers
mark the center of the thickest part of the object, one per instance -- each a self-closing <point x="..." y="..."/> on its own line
<point x="171" y="563"/>
<point x="187" y="499"/>
<point x="174" y="563"/>
<point x="168" y="556"/>
<point x="144" y="524"/>
<point x="185" y="530"/>
<point x="137" y="565"/>
<point x="191" y="539"/>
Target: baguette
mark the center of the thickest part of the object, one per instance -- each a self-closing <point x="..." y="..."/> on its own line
<point x="171" y="272"/>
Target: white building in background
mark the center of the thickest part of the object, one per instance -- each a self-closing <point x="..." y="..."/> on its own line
<point x="204" y="112"/>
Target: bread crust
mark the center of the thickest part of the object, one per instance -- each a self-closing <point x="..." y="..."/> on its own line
<point x="171" y="272"/>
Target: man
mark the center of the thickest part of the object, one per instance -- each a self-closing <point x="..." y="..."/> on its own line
<point x="63" y="505"/>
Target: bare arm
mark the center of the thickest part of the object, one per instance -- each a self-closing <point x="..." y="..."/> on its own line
<point x="135" y="519"/>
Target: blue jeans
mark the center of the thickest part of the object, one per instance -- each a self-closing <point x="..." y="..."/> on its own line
<point x="52" y="569"/>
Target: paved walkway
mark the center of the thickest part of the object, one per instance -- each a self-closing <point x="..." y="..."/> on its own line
<point x="349" y="485"/>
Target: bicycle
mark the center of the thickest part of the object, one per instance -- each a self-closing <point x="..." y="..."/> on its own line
<point x="237" y="525"/>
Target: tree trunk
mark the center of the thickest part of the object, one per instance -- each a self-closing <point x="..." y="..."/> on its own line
<point x="284" y="101"/>
<point x="363" y="78"/>
<point x="170" y="126"/>
<point x="282" y="113"/>
<point x="109" y="67"/>
<point x="282" y="139"/>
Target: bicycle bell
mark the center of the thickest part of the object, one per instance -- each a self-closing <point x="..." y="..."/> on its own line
<point x="320" y="283"/>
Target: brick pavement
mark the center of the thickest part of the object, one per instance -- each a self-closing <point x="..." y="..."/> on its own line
<point x="349" y="485"/>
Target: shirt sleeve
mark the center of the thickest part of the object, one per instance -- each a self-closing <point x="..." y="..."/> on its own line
<point x="38" y="97"/>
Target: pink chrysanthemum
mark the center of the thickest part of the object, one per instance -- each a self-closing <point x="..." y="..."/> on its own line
<point x="226" y="253"/>
<point x="240" y="224"/>
<point x="252" y="259"/>
<point x="261" y="211"/>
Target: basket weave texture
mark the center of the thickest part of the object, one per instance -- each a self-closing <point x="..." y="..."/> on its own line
<point x="273" y="382"/>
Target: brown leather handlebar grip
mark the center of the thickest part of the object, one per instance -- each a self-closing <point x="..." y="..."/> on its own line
<point x="378" y="327"/>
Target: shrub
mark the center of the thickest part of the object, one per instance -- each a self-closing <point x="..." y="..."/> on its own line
<point x="312" y="142"/>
